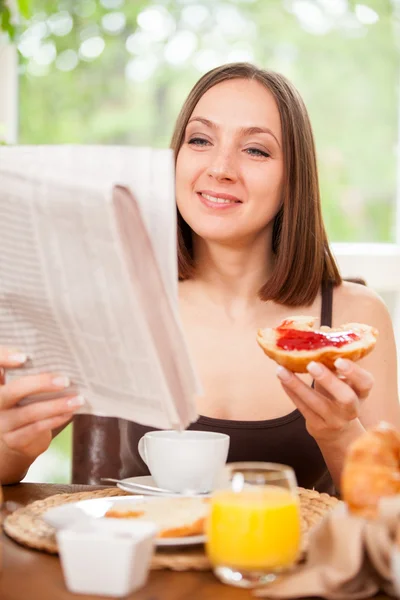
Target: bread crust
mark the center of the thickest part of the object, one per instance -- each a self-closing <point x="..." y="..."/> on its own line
<point x="174" y="517"/>
<point x="128" y="514"/>
<point x="195" y="528"/>
<point x="297" y="360"/>
<point x="371" y="470"/>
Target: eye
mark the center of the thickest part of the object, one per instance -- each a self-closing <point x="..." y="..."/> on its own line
<point x="196" y="141"/>
<point x="257" y="152"/>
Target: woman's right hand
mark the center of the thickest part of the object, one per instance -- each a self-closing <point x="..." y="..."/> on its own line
<point x="27" y="430"/>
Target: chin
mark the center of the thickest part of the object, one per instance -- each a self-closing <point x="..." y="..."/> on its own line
<point x="220" y="234"/>
<point x="226" y="228"/>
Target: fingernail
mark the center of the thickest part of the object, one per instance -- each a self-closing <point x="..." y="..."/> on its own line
<point x="60" y="382"/>
<point x="343" y="365"/>
<point x="283" y="374"/>
<point x="315" y="369"/>
<point x="18" y="357"/>
<point x="76" y="401"/>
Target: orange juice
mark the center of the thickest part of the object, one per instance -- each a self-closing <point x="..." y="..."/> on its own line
<point x="255" y="529"/>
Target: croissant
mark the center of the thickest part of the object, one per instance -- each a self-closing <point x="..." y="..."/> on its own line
<point x="296" y="342"/>
<point x="371" y="470"/>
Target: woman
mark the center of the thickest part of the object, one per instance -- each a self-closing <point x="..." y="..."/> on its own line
<point x="252" y="251"/>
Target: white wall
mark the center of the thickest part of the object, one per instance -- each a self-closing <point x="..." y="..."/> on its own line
<point x="379" y="265"/>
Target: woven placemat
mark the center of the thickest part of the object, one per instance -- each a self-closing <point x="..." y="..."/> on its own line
<point x="27" y="527"/>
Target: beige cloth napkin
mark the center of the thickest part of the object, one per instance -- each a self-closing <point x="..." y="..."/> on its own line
<point x="347" y="558"/>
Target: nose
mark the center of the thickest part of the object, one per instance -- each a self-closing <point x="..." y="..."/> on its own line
<point x="222" y="167"/>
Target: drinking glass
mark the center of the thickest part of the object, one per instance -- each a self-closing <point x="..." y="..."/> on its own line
<point x="253" y="529"/>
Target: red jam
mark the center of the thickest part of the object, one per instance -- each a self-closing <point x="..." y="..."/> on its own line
<point x="297" y="339"/>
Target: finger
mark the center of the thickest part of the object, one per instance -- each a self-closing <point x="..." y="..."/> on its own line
<point x="13" y="392"/>
<point x="23" y="437"/>
<point x="2" y="376"/>
<point x="309" y="396"/>
<point x="12" y="359"/>
<point x="339" y="391"/>
<point x="359" y="379"/>
<point x="15" y="418"/>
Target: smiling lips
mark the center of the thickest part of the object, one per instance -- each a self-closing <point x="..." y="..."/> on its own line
<point x="218" y="201"/>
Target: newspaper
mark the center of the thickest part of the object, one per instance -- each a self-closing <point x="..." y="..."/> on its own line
<point x="88" y="277"/>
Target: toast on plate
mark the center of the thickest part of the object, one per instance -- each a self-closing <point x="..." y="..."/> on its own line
<point x="174" y="517"/>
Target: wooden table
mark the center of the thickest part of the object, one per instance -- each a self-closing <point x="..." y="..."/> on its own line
<point x="32" y="575"/>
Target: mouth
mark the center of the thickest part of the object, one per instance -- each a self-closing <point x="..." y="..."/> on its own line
<point x="218" y="200"/>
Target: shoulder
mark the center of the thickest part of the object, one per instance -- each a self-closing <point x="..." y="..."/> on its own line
<point x="356" y="303"/>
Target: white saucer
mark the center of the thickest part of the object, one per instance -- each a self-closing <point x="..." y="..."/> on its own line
<point x="65" y="515"/>
<point x="148" y="480"/>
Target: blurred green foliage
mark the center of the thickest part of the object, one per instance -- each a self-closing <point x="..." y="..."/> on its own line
<point x="8" y="21"/>
<point x="129" y="86"/>
<point x="6" y="24"/>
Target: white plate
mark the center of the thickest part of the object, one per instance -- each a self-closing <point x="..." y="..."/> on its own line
<point x="60" y="517"/>
<point x="148" y="480"/>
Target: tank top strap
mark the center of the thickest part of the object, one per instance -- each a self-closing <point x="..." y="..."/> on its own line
<point x="326" y="303"/>
<point x="326" y="307"/>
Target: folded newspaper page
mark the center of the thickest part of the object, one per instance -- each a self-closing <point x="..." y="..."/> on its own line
<point x="88" y="277"/>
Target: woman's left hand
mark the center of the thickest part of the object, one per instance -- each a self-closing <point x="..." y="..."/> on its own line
<point x="334" y="403"/>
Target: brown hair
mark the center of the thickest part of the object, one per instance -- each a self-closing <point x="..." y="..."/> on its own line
<point x="299" y="241"/>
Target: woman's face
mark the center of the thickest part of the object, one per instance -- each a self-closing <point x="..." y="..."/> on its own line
<point x="229" y="170"/>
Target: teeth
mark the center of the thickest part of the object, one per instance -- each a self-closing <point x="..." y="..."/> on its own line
<point x="217" y="200"/>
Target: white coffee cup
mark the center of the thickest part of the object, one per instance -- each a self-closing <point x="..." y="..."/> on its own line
<point x="185" y="461"/>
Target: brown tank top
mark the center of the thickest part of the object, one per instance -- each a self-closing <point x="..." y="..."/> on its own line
<point x="283" y="440"/>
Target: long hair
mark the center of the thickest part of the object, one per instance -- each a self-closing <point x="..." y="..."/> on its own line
<point x="299" y="242"/>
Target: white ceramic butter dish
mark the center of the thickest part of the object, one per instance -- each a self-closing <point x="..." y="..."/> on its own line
<point x="106" y="557"/>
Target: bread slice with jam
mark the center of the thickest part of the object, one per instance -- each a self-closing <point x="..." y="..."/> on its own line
<point x="296" y="342"/>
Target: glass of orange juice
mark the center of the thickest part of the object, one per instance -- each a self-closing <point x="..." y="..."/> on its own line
<point x="253" y="528"/>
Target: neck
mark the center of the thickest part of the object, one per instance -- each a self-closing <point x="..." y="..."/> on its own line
<point x="232" y="275"/>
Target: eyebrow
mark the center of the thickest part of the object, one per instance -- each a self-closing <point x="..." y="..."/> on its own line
<point x="243" y="130"/>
